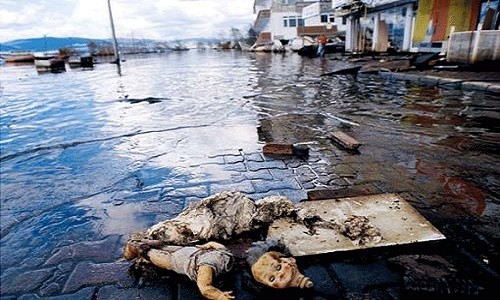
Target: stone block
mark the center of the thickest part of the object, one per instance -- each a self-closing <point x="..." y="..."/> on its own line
<point x="323" y="282"/>
<point x="244" y="187"/>
<point x="262" y="186"/>
<point x="83" y="294"/>
<point x="97" y="251"/>
<point x="232" y="159"/>
<point x="254" y="157"/>
<point x="24" y="282"/>
<point x="116" y="293"/>
<point x="360" y="277"/>
<point x="87" y="273"/>
<point x="272" y="164"/>
<point x="261" y="174"/>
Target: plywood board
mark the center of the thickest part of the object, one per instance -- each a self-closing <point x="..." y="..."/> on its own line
<point x="398" y="222"/>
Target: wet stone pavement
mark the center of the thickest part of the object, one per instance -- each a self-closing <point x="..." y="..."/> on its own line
<point x="70" y="201"/>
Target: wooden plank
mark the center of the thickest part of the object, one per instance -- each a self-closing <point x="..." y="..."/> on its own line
<point x="345" y="140"/>
<point x="396" y="220"/>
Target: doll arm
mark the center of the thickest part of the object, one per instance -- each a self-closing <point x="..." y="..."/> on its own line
<point x="212" y="245"/>
<point x="204" y="283"/>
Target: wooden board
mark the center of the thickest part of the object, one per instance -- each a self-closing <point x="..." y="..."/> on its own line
<point x="398" y="222"/>
<point x="345" y="140"/>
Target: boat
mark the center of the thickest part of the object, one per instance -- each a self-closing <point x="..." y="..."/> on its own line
<point x="300" y="42"/>
<point x="49" y="63"/>
<point x="20" y="57"/>
<point x="86" y="61"/>
<point x="244" y="46"/>
<point x="268" y="46"/>
<point x="180" y="47"/>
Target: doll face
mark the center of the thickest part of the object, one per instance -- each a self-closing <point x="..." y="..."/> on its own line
<point x="276" y="271"/>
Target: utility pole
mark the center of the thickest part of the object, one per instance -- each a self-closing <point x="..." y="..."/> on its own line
<point x="115" y="43"/>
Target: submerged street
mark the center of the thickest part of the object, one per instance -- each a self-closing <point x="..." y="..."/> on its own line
<point x="89" y="157"/>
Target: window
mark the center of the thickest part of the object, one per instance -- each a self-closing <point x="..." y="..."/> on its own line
<point x="344" y="20"/>
<point x="292" y="21"/>
<point x="325" y="18"/>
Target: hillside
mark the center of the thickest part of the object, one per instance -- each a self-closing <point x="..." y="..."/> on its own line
<point x="46" y="43"/>
<point x="42" y="44"/>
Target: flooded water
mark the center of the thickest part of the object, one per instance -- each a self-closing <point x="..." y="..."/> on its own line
<point x="93" y="156"/>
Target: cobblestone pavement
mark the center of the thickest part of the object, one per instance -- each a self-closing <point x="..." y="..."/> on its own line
<point x="90" y="270"/>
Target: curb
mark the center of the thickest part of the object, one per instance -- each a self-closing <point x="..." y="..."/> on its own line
<point x="444" y="82"/>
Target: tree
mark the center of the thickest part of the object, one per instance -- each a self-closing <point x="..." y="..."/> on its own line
<point x="92" y="46"/>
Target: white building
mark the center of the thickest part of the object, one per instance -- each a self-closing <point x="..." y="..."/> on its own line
<point x="286" y="19"/>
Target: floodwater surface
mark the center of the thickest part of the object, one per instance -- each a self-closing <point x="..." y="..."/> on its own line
<point x="88" y="155"/>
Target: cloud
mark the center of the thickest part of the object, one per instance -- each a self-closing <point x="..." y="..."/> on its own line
<point x="160" y="19"/>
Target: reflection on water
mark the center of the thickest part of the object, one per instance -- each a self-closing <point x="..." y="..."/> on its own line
<point x="91" y="153"/>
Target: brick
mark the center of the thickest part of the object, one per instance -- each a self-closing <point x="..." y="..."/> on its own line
<point x="278" y="149"/>
<point x="345" y="140"/>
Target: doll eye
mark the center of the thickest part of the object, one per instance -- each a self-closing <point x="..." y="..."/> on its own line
<point x="278" y="267"/>
<point x="271" y="279"/>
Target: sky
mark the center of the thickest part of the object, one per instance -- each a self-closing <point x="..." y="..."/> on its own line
<point x="155" y="19"/>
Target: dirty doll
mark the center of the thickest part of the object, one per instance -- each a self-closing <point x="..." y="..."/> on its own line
<point x="205" y="262"/>
<point x="200" y="263"/>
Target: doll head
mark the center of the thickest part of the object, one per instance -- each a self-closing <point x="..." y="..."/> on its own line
<point x="274" y="268"/>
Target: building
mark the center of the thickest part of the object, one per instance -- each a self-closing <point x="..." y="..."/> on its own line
<point x="377" y="25"/>
<point x="436" y="19"/>
<point x="287" y="19"/>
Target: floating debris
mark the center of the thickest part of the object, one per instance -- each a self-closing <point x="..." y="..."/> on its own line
<point x="150" y="100"/>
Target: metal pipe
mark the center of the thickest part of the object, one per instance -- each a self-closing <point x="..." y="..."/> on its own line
<point x="115" y="43"/>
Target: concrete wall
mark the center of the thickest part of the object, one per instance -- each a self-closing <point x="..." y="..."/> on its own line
<point x="474" y="46"/>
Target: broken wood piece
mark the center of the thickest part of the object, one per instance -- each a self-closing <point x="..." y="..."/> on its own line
<point x="285" y="149"/>
<point x="345" y="140"/>
<point x="345" y="71"/>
